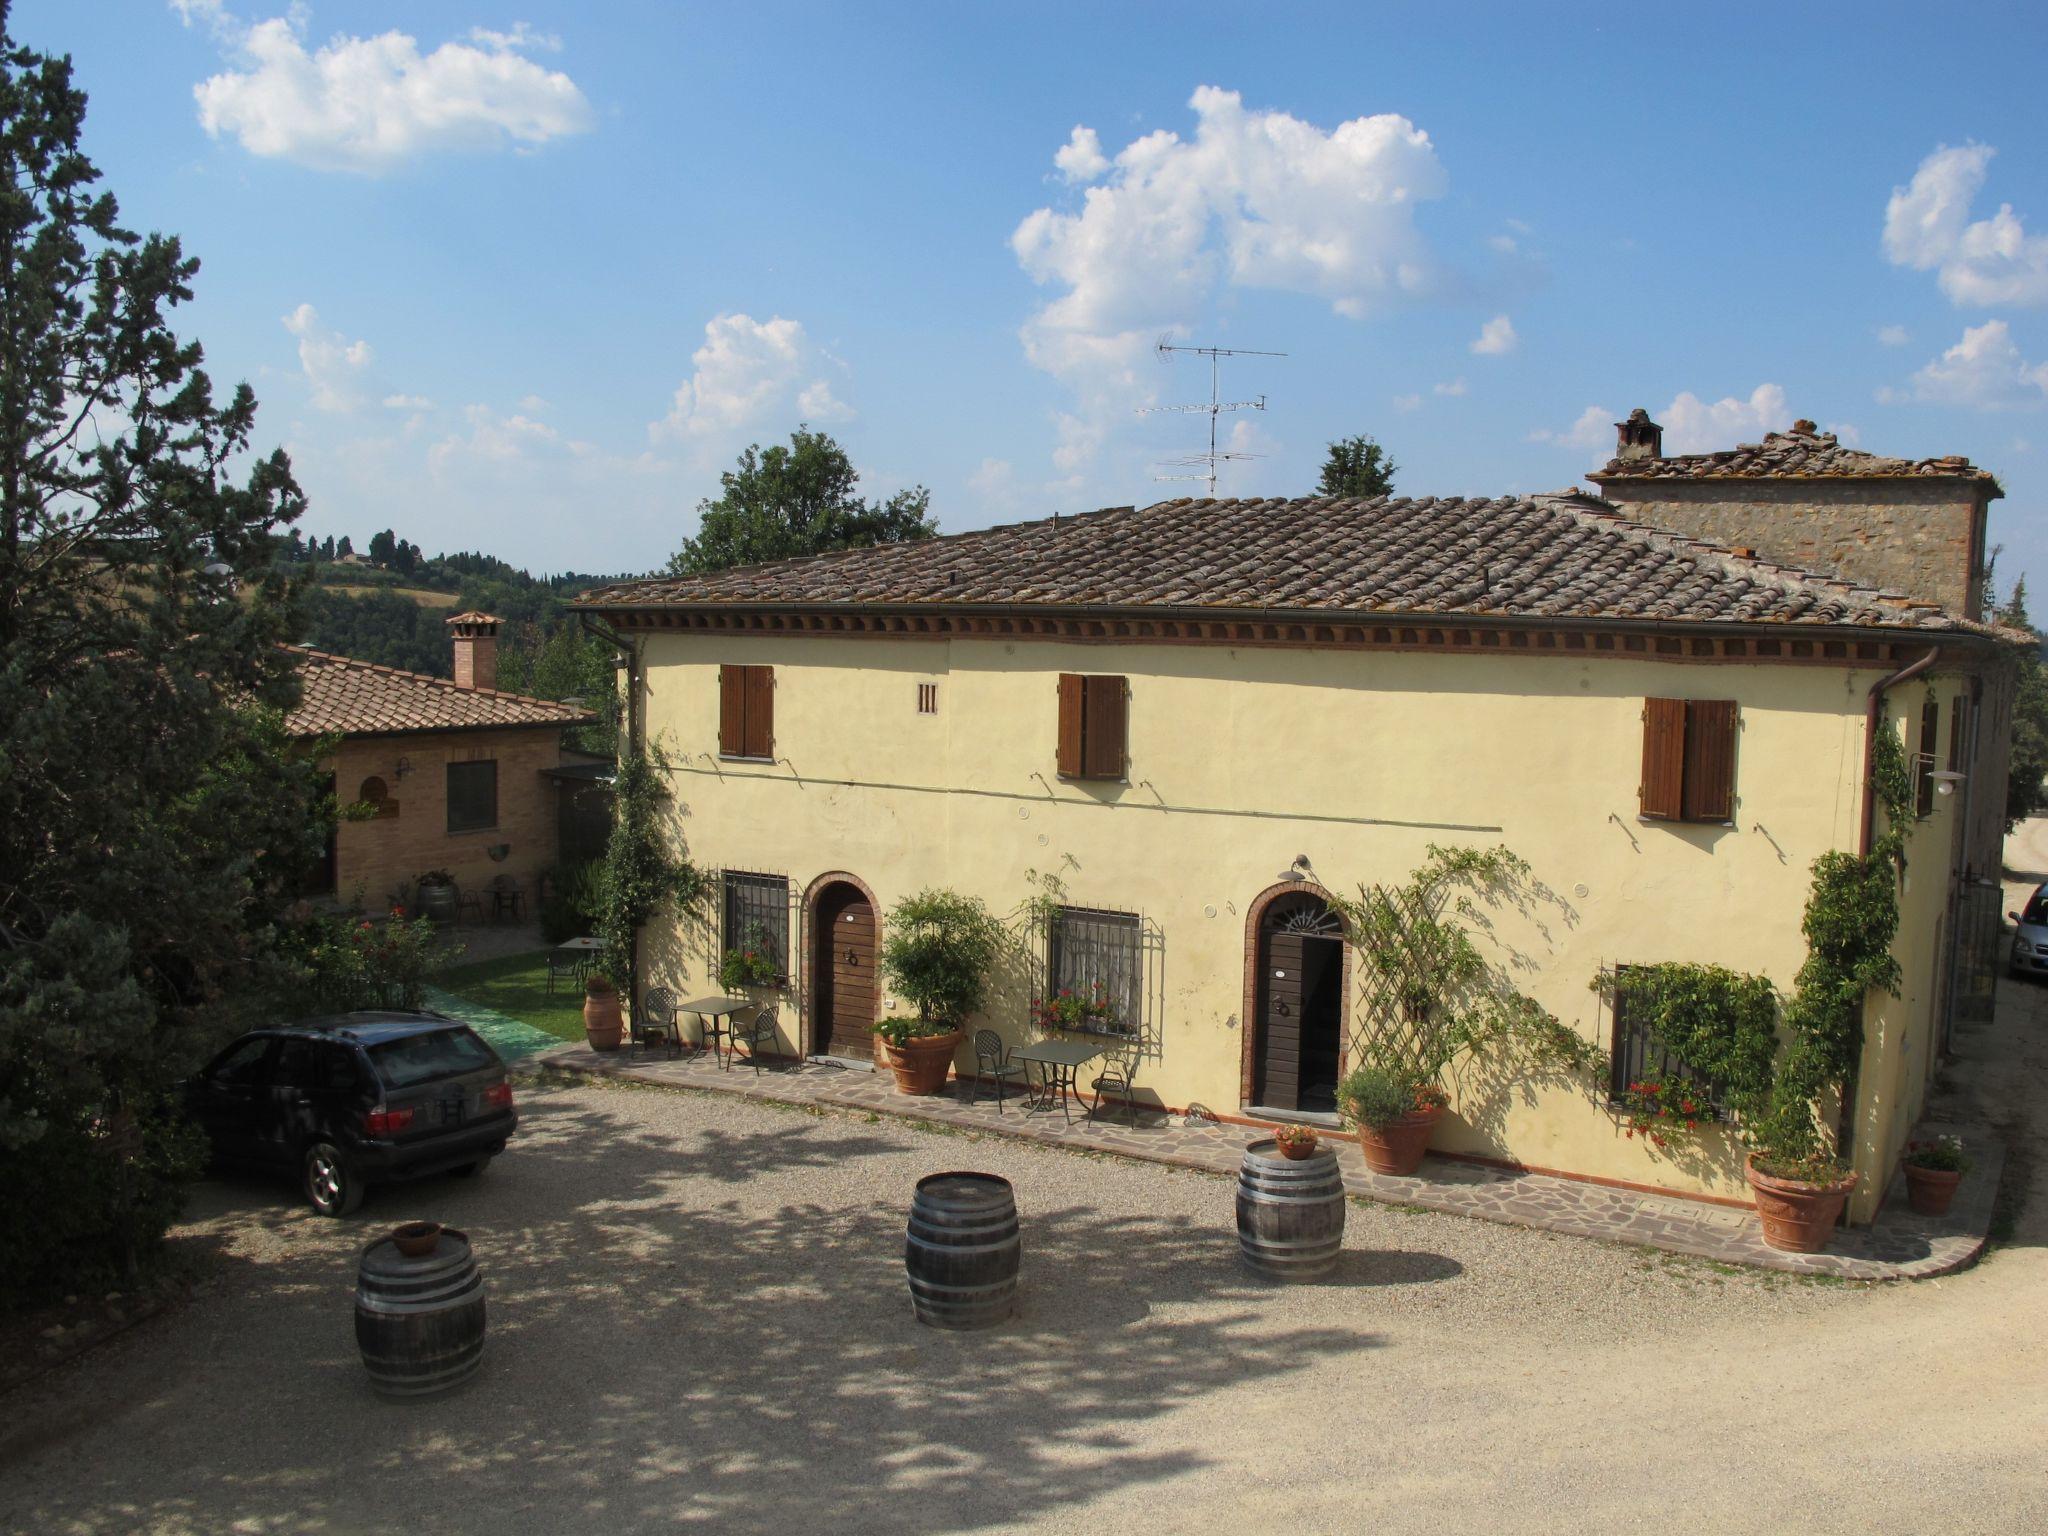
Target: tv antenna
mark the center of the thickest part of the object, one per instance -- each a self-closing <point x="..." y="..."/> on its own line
<point x="1206" y="463"/>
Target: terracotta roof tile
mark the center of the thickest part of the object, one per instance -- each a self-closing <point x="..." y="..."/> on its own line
<point x="1799" y="453"/>
<point x="1566" y="555"/>
<point x="345" y="697"/>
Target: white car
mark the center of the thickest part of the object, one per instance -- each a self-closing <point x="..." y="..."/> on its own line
<point x="2030" y="942"/>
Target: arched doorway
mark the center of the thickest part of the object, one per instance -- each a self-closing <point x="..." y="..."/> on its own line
<point x="1297" y="1003"/>
<point x="842" y="968"/>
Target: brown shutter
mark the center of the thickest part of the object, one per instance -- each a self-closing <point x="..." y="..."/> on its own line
<point x="1072" y="692"/>
<point x="760" y="733"/>
<point x="1663" y="758"/>
<point x="732" y="712"/>
<point x="1709" y="760"/>
<point x="1103" y="735"/>
<point x="1958" y="715"/>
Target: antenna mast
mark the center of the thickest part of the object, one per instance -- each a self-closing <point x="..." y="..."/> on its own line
<point x="1206" y="462"/>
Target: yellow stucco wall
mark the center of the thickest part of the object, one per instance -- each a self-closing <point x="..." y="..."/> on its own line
<point x="1240" y="760"/>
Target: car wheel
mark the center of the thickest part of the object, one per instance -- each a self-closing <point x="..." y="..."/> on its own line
<point x="471" y="1170"/>
<point x="331" y="1185"/>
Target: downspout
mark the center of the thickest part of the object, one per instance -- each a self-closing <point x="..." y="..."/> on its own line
<point x="631" y="651"/>
<point x="1873" y="722"/>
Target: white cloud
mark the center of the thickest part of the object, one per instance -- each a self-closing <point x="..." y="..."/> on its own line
<point x="1984" y="371"/>
<point x="1255" y="199"/>
<point x="1846" y="432"/>
<point x="336" y="368"/>
<point x="492" y="437"/>
<point x="1691" y="425"/>
<point x="1081" y="158"/>
<point x="1454" y="387"/>
<point x="1892" y="336"/>
<point x="1496" y="337"/>
<point x="1505" y="244"/>
<point x="1927" y="226"/>
<point x="407" y="403"/>
<point x="1407" y="402"/>
<point x="370" y="104"/>
<point x="747" y="371"/>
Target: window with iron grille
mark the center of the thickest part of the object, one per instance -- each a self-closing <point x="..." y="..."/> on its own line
<point x="472" y="797"/>
<point x="1638" y="1055"/>
<point x="757" y="915"/>
<point x="1091" y="953"/>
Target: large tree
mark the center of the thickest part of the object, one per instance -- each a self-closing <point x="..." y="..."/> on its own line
<point x="798" y="500"/>
<point x="2026" y="784"/>
<point x="150" y="803"/>
<point x="1357" y="466"/>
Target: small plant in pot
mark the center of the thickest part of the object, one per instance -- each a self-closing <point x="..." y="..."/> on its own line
<point x="1393" y="1112"/>
<point x="940" y="951"/>
<point x="1794" y="1171"/>
<point x="1297" y="1143"/>
<point x="1933" y="1170"/>
<point x="604" y="1025"/>
<point x="748" y="965"/>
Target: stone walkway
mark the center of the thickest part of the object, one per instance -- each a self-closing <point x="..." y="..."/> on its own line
<point x="1897" y="1246"/>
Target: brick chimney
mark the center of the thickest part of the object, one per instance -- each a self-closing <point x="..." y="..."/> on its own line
<point x="1638" y="437"/>
<point x="476" y="649"/>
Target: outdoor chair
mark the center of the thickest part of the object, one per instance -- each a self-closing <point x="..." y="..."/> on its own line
<point x="655" y="1019"/>
<point x="1119" y="1067"/>
<point x="992" y="1060"/>
<point x="563" y="966"/>
<point x="753" y="1034"/>
<point x="506" y="896"/>
<point x="467" y="900"/>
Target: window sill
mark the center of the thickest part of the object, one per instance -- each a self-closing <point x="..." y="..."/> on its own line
<point x="1099" y="1034"/>
<point x="1681" y="821"/>
<point x="467" y="831"/>
<point x="732" y="757"/>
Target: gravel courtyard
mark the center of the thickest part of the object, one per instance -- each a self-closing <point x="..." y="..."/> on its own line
<point x="698" y="1316"/>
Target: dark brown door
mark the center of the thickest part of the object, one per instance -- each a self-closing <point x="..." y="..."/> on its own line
<point x="845" y="971"/>
<point x="1279" y="1076"/>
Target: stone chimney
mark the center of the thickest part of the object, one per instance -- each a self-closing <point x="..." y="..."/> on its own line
<point x="476" y="649"/>
<point x="1638" y="437"/>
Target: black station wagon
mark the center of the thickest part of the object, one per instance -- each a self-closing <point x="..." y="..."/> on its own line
<point x="356" y="1099"/>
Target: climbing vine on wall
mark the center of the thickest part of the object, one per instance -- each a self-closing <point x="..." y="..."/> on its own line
<point x="646" y="870"/>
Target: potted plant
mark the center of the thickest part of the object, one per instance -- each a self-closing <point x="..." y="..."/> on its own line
<point x="603" y="1024"/>
<point x="940" y="951"/>
<point x="1933" y="1170"/>
<point x="1297" y="1143"/>
<point x="437" y="895"/>
<point x="1794" y="1170"/>
<point x="748" y="965"/>
<point x="1090" y="1012"/>
<point x="1394" y="1114"/>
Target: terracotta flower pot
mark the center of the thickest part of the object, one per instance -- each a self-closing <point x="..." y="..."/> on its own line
<point x="416" y="1239"/>
<point x="921" y="1063"/>
<point x="1797" y="1217"/>
<point x="1931" y="1189"/>
<point x="1299" y="1151"/>
<point x="1398" y="1146"/>
<point x="603" y="1026"/>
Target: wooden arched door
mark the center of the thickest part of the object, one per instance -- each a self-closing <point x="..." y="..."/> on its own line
<point x="843" y="963"/>
<point x="1301" y="1005"/>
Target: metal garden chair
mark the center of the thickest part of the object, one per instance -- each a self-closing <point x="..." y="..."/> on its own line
<point x="754" y="1034"/>
<point x="1119" y="1067"/>
<point x="655" y="1019"/>
<point x="992" y="1059"/>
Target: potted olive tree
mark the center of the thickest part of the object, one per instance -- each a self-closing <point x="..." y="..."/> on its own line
<point x="941" y="949"/>
<point x="1393" y="1111"/>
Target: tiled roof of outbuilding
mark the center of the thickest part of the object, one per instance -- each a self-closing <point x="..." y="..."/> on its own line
<point x="1796" y="454"/>
<point x="346" y="697"/>
<point x="1566" y="555"/>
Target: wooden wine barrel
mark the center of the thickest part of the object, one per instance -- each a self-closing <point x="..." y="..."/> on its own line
<point x="420" y="1322"/>
<point x="962" y="1250"/>
<point x="1290" y="1215"/>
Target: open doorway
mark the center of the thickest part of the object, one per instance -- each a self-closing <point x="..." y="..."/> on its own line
<point x="1297" y="1057"/>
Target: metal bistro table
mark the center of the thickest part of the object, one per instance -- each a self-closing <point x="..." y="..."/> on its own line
<point x="714" y="1016"/>
<point x="1058" y="1061"/>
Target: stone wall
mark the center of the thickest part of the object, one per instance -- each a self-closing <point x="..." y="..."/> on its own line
<point x="412" y="836"/>
<point x="1920" y="536"/>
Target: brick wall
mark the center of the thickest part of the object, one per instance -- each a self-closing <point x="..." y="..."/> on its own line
<point x="375" y="856"/>
<point x="1922" y="537"/>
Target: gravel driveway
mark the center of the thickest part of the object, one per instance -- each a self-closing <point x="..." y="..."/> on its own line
<point x="698" y="1315"/>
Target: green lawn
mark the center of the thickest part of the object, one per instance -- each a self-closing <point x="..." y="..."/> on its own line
<point x="517" y="986"/>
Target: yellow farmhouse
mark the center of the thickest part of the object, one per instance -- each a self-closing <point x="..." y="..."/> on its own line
<point x="1201" y="717"/>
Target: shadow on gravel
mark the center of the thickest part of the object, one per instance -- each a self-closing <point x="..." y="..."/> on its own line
<point x="656" y="1355"/>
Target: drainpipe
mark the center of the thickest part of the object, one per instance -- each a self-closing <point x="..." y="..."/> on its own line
<point x="1873" y="722"/>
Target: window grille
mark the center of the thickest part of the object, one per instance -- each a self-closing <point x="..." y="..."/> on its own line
<point x="1087" y="948"/>
<point x="927" y="698"/>
<point x="472" y="796"/>
<point x="1638" y="1055"/>
<point x="757" y="915"/>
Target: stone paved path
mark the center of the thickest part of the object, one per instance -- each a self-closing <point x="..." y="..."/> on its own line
<point x="513" y="1040"/>
<point x="1897" y="1246"/>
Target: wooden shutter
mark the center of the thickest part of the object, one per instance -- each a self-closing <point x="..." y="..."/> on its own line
<point x="1073" y="691"/>
<point x="1923" y="768"/>
<point x="1102" y="733"/>
<point x="732" y="711"/>
<point x="1957" y="724"/>
<point x="1709" y="760"/>
<point x="1663" y="788"/>
<point x="760" y="694"/>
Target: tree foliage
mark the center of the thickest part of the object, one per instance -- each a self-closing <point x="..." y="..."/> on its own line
<point x="646" y="871"/>
<point x="151" y="808"/>
<point x="780" y="502"/>
<point x="2026" y="785"/>
<point x="1357" y="466"/>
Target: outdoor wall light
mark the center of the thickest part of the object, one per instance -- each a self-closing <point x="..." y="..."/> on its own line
<point x="1300" y="869"/>
<point x="1945" y="781"/>
<point x="402" y="767"/>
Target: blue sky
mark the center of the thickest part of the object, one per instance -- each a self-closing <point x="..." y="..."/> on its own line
<point x="526" y="276"/>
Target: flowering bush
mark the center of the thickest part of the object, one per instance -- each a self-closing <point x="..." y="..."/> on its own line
<point x="1068" y="1009"/>
<point x="362" y="962"/>
<point x="747" y="966"/>
<point x="1664" y="1109"/>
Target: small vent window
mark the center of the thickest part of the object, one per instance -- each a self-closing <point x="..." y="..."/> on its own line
<point x="927" y="698"/>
